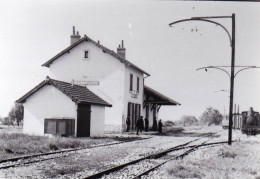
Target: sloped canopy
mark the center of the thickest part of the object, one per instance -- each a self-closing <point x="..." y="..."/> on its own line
<point x="158" y="98"/>
<point x="78" y="94"/>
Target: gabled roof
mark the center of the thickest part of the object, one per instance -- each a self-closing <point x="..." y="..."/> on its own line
<point x="78" y="94"/>
<point x="104" y="49"/>
<point x="160" y="99"/>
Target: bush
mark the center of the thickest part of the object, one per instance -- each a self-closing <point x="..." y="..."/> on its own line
<point x="169" y="123"/>
<point x="7" y="121"/>
<point x="188" y="120"/>
<point x="172" y="130"/>
<point x="227" y="153"/>
<point x="183" y="171"/>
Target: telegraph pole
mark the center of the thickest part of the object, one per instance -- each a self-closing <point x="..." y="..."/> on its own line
<point x="232" y="44"/>
<point x="232" y="77"/>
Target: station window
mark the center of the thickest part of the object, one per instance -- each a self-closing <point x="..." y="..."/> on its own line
<point x="86" y="54"/>
<point x="137" y="85"/>
<point x="60" y="127"/>
<point x="131" y="82"/>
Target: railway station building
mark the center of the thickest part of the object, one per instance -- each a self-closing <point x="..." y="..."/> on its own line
<point x="89" y="88"/>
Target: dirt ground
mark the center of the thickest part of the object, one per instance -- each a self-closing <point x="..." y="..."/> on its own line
<point x="240" y="160"/>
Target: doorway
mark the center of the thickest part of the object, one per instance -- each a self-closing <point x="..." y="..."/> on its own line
<point x="133" y="111"/>
<point x="83" y="122"/>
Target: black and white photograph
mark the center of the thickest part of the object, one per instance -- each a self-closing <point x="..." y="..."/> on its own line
<point x="129" y="89"/>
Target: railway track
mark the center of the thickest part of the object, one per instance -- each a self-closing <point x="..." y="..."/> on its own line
<point x="192" y="148"/>
<point x="28" y="159"/>
<point x="156" y="156"/>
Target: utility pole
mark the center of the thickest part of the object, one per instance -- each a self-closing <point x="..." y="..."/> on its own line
<point x="232" y="43"/>
<point x="232" y="77"/>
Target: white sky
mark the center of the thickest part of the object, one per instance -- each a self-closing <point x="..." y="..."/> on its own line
<point x="34" y="31"/>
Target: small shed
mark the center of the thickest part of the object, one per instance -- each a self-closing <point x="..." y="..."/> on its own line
<point x="59" y="108"/>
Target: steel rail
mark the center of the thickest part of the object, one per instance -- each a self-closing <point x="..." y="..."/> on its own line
<point x="52" y="153"/>
<point x="113" y="169"/>
<point x="156" y="155"/>
<point x="193" y="147"/>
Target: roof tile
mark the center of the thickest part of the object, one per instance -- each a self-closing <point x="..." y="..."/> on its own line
<point x="78" y="94"/>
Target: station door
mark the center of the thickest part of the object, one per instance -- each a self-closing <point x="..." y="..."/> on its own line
<point x="83" y="120"/>
<point x="133" y="111"/>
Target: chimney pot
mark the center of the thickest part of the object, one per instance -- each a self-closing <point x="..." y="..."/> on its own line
<point x="74" y="37"/>
<point x="121" y="50"/>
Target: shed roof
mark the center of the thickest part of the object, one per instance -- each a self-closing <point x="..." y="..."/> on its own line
<point x="159" y="98"/>
<point x="104" y="49"/>
<point x="78" y="94"/>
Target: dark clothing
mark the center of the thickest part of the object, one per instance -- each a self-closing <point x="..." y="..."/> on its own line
<point x="160" y="127"/>
<point x="128" y="123"/>
<point x="146" y="124"/>
<point x="139" y="125"/>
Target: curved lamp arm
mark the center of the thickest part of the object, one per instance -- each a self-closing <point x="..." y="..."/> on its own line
<point x="215" y="68"/>
<point x="244" y="69"/>
<point x="205" y="20"/>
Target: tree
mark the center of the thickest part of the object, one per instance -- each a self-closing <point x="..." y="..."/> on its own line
<point x="188" y="120"/>
<point x="16" y="113"/>
<point x="211" y="116"/>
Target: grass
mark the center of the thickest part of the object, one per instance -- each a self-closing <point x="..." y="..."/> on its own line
<point x="99" y="159"/>
<point x="15" y="144"/>
<point x="241" y="160"/>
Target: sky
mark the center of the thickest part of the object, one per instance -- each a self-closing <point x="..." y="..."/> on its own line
<point x="32" y="32"/>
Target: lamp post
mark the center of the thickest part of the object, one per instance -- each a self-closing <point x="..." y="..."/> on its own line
<point x="242" y="68"/>
<point x="222" y="69"/>
<point x="232" y="44"/>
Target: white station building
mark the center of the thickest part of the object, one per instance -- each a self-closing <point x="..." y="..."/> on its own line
<point x="88" y="88"/>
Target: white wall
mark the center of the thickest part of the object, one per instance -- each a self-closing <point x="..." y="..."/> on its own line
<point x="128" y="95"/>
<point x="101" y="67"/>
<point x="48" y="102"/>
<point x="97" y="121"/>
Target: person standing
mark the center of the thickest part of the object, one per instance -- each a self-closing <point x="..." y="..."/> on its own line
<point x="160" y="126"/>
<point x="146" y="124"/>
<point x="138" y="125"/>
<point x="141" y="124"/>
<point x="128" y="123"/>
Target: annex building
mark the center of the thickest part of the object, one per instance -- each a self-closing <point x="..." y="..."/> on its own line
<point x="88" y="88"/>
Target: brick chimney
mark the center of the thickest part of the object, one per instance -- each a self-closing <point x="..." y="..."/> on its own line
<point x="121" y="50"/>
<point x="74" y="37"/>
